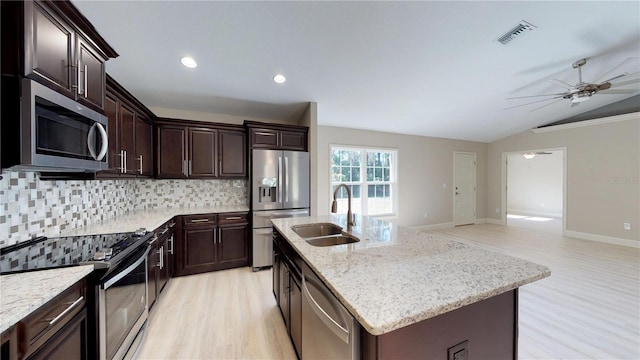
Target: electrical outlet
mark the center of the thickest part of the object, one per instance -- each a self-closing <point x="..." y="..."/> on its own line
<point x="459" y="352"/>
<point x="497" y="210"/>
<point x="627" y="226"/>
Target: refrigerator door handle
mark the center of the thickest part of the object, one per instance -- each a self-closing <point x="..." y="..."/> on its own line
<point x="286" y="179"/>
<point x="279" y="179"/>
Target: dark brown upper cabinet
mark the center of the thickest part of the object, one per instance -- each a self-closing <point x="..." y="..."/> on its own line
<point x="130" y="134"/>
<point x="54" y="44"/>
<point x="199" y="150"/>
<point x="277" y="136"/>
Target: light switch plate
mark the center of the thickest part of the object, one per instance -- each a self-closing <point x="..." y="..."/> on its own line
<point x="459" y="352"/>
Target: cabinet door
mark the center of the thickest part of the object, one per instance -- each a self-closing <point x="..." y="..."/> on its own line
<point x="49" y="48"/>
<point x="171" y="152"/>
<point x="202" y="153"/>
<point x="152" y="282"/>
<point x="144" y="147"/>
<point x="295" y="307"/>
<point x="127" y="138"/>
<point x="293" y="140"/>
<point x="232" y="156"/>
<point x="70" y="343"/>
<point x="199" y="250"/>
<point x="263" y="138"/>
<point x="283" y="298"/>
<point x="233" y="245"/>
<point x="112" y="110"/>
<point x="163" y="274"/>
<point x="91" y="74"/>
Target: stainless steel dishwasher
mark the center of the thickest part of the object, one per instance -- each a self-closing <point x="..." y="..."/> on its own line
<point x="328" y="329"/>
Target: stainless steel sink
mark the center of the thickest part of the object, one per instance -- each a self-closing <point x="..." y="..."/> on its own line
<point x="332" y="240"/>
<point x="307" y="231"/>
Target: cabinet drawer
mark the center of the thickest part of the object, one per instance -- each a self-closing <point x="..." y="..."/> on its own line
<point x="41" y="325"/>
<point x="233" y="218"/>
<point x="199" y="220"/>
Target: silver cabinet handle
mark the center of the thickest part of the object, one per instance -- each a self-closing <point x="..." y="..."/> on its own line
<point x="172" y="224"/>
<point x="125" y="161"/>
<point x="184" y="168"/>
<point x="233" y="218"/>
<point x="86" y="78"/>
<point x="164" y="231"/>
<point x="65" y="312"/>
<point x="153" y="240"/>
<point x="80" y="88"/>
<point x="160" y="252"/>
<point x="219" y="236"/>
<point x="199" y="220"/>
<point x="171" y="242"/>
<point x="121" y="161"/>
<point x="140" y="159"/>
<point x="190" y="169"/>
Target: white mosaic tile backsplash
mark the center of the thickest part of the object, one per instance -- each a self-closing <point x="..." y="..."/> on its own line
<point x="30" y="207"/>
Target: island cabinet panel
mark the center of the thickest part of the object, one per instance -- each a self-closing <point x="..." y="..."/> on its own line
<point x="488" y="326"/>
<point x="211" y="242"/>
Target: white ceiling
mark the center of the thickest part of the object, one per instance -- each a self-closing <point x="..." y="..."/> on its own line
<point x="424" y="68"/>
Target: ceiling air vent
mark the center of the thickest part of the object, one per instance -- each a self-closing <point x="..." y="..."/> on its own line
<point x="515" y="32"/>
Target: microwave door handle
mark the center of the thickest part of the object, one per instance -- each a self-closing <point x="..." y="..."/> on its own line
<point x="105" y="142"/>
<point x="91" y="143"/>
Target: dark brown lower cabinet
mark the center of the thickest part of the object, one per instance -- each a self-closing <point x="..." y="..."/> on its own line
<point x="58" y="329"/>
<point x="9" y="344"/>
<point x="211" y="242"/>
<point x="160" y="261"/>
<point x="287" y="289"/>
<point x="70" y="343"/>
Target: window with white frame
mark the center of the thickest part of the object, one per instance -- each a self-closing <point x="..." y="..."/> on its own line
<point x="371" y="176"/>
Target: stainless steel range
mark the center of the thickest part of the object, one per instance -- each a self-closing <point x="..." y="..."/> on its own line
<point x="118" y="310"/>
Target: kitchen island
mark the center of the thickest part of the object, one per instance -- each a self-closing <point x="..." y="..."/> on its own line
<point x="416" y="294"/>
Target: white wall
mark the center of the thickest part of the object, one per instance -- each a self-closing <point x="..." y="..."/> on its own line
<point x="535" y="185"/>
<point x="603" y="167"/>
<point x="425" y="164"/>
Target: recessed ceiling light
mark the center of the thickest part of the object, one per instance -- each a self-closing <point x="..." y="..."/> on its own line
<point x="279" y="78"/>
<point x="188" y="62"/>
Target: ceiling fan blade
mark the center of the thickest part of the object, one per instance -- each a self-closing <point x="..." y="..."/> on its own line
<point x="629" y="63"/>
<point x="615" y="77"/>
<point x="545" y="105"/>
<point x="562" y="84"/>
<point x="618" y="91"/>
<point x="530" y="96"/>
<point x="628" y="82"/>
<point x="535" y="102"/>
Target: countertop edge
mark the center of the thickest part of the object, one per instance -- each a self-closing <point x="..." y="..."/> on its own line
<point x="69" y="276"/>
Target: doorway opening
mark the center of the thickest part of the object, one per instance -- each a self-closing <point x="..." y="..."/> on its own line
<point x="534" y="192"/>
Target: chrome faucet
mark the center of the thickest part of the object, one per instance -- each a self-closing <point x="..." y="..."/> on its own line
<point x="351" y="220"/>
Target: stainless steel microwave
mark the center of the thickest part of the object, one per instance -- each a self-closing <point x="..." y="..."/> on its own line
<point x="59" y="134"/>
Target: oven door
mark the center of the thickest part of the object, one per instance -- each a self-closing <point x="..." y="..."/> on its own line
<point x="123" y="307"/>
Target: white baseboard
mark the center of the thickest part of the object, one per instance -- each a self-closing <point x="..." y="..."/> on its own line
<point x="533" y="213"/>
<point x="433" y="226"/>
<point x="480" y="221"/>
<point x="494" y="221"/>
<point x="603" y="239"/>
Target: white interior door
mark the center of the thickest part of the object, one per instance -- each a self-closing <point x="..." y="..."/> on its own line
<point x="464" y="190"/>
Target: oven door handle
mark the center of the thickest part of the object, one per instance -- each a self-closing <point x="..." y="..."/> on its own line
<point x="107" y="284"/>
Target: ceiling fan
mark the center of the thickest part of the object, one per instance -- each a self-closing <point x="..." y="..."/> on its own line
<point x="582" y="91"/>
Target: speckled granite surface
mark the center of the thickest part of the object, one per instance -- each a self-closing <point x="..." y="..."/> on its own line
<point x="396" y="276"/>
<point x="21" y="294"/>
<point x="148" y="219"/>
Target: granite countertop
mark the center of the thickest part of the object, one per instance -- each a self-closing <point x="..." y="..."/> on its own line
<point x="395" y="276"/>
<point x="148" y="219"/>
<point x="22" y="293"/>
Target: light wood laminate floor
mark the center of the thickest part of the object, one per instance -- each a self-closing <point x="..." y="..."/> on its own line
<point x="588" y="309"/>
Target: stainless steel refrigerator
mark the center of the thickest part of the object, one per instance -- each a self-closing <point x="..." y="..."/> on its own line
<point x="279" y="188"/>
